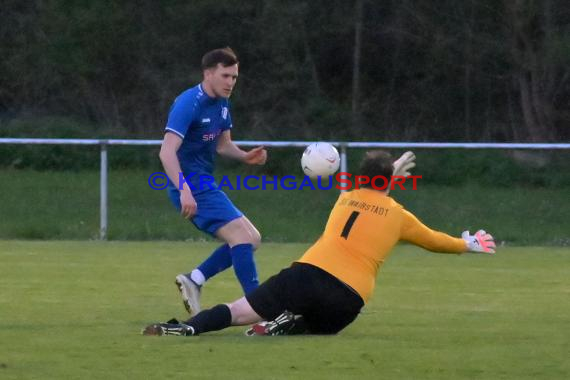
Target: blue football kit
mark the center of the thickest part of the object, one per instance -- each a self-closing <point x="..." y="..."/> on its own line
<point x="199" y="120"/>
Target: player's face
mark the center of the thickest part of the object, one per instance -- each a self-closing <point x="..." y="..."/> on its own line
<point x="221" y="80"/>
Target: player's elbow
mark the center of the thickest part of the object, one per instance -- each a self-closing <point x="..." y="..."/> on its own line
<point x="164" y="154"/>
<point x="161" y="156"/>
<point x="220" y="149"/>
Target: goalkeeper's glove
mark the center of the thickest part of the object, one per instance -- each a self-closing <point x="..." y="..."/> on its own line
<point x="481" y="242"/>
<point x="403" y="164"/>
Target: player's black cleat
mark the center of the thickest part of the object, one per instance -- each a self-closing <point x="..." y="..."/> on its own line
<point x="285" y="324"/>
<point x="172" y="327"/>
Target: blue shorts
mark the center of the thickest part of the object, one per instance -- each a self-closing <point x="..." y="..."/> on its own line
<point x="215" y="209"/>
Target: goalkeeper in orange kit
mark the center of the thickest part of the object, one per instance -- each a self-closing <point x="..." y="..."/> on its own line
<point x="324" y="291"/>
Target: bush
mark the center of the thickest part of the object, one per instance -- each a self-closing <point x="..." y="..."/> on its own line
<point x="67" y="157"/>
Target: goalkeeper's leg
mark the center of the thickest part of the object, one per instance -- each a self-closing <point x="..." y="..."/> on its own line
<point x="219" y="317"/>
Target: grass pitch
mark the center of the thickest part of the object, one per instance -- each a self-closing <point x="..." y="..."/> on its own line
<point x="74" y="310"/>
<point x="67" y="208"/>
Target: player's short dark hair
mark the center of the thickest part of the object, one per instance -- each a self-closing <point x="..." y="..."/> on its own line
<point x="225" y="56"/>
<point x="376" y="163"/>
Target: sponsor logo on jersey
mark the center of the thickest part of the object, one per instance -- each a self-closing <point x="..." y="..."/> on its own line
<point x="211" y="136"/>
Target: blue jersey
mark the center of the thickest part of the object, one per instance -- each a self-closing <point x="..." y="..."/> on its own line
<point x="199" y="120"/>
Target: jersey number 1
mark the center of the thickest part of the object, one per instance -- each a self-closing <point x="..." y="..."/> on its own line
<point x="348" y="226"/>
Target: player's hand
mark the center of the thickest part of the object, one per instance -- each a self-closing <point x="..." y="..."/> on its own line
<point x="188" y="204"/>
<point x="256" y="156"/>
<point x="404" y="164"/>
<point x="481" y="242"/>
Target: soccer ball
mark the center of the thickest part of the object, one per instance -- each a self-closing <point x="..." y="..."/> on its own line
<point x="320" y="159"/>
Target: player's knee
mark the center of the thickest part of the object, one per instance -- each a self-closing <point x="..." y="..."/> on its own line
<point x="240" y="231"/>
<point x="242" y="313"/>
<point x="251" y="236"/>
<point x="255" y="239"/>
<point x="237" y="314"/>
<point x="251" y="233"/>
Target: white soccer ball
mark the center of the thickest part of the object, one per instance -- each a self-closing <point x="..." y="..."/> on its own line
<point x="320" y="159"/>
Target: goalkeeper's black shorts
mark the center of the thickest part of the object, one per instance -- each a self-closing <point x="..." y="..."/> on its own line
<point x="327" y="304"/>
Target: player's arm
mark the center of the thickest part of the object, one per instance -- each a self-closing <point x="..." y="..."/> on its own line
<point x="419" y="234"/>
<point x="227" y="148"/>
<point x="169" y="159"/>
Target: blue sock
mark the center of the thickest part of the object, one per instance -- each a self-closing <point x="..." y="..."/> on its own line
<point x="219" y="260"/>
<point x="244" y="266"/>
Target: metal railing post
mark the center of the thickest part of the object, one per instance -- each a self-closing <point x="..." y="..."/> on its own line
<point x="343" y="161"/>
<point x="103" y="192"/>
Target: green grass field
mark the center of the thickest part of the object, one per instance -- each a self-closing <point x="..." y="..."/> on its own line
<point x="65" y="206"/>
<point x="74" y="310"/>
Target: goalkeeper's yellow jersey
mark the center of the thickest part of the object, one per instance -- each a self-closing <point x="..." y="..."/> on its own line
<point x="363" y="227"/>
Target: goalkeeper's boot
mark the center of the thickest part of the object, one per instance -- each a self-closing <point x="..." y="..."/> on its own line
<point x="256" y="329"/>
<point x="285" y="324"/>
<point x="172" y="327"/>
<point x="190" y="293"/>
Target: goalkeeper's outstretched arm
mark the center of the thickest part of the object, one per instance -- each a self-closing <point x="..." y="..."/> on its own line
<point x="419" y="234"/>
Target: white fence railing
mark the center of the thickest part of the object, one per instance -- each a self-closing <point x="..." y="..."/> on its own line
<point x="103" y="144"/>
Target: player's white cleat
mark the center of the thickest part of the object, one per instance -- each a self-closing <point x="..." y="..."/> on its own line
<point x="190" y="293"/>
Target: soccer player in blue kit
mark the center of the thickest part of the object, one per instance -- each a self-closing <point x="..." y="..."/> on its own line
<point x="199" y="126"/>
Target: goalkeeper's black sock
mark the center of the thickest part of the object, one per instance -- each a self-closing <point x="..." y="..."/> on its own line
<point x="217" y="318"/>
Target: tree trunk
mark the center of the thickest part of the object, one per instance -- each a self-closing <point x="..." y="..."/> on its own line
<point x="355" y="114"/>
<point x="529" y="50"/>
<point x="467" y="71"/>
<point x="309" y="59"/>
<point x="391" y="93"/>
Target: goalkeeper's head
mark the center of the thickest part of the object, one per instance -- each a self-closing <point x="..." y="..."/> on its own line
<point x="376" y="163"/>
